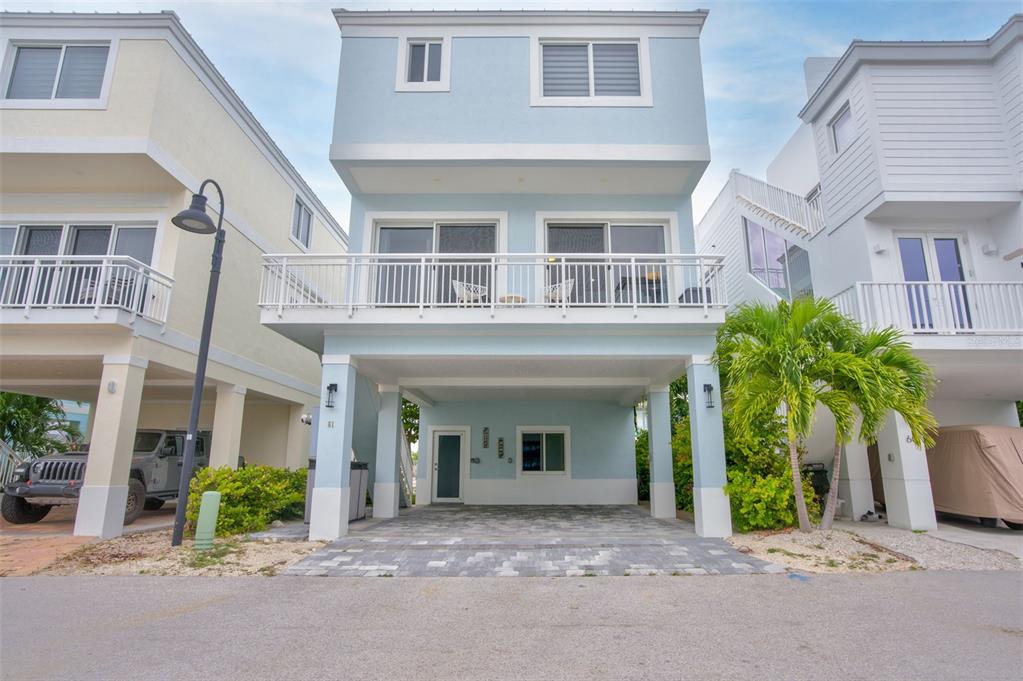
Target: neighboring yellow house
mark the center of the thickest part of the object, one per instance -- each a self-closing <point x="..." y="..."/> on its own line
<point x="108" y="123"/>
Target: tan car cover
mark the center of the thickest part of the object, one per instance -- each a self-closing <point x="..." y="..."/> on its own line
<point x="978" y="471"/>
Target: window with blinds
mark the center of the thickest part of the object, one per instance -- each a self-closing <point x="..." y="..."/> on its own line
<point x="58" y="72"/>
<point x="301" y="223"/>
<point x="594" y="69"/>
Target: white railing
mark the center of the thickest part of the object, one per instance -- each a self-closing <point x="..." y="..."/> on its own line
<point x="492" y="282"/>
<point x="776" y="202"/>
<point x="81" y="281"/>
<point x="9" y="460"/>
<point x="951" y="307"/>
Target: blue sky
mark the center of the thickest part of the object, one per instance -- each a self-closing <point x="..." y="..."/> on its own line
<point x="282" y="57"/>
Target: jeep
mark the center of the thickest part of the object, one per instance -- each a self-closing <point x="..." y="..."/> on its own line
<point x="56" y="480"/>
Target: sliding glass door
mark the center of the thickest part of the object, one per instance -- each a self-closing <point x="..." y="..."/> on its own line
<point x="930" y="259"/>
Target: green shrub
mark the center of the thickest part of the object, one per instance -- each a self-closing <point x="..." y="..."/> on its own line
<point x="643" y="465"/>
<point x="250" y="498"/>
<point x="763" y="502"/>
<point x="682" y="456"/>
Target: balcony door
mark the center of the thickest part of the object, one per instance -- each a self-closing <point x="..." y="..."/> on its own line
<point x="934" y="267"/>
<point x="601" y="279"/>
<point x="462" y="280"/>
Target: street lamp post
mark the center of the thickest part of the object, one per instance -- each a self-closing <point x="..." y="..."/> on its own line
<point x="194" y="219"/>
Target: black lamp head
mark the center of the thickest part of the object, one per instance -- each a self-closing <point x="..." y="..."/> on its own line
<point x="194" y="218"/>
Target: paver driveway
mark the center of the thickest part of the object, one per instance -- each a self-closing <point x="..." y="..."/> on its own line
<point x="488" y="541"/>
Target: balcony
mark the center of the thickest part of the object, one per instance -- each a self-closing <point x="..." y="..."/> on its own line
<point x="802" y="215"/>
<point x="504" y="286"/>
<point x="95" y="283"/>
<point x="992" y="308"/>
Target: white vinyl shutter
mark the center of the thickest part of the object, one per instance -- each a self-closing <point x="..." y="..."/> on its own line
<point x="616" y="70"/>
<point x="33" y="73"/>
<point x="81" y="75"/>
<point x="566" y="71"/>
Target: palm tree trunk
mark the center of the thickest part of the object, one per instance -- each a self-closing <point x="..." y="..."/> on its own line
<point x="797" y="487"/>
<point x="830" y="507"/>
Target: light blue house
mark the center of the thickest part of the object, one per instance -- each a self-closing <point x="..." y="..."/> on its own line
<point x="521" y="262"/>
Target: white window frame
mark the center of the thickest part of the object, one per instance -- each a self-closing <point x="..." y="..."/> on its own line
<point x="401" y="81"/>
<point x="294" y="237"/>
<point x="537" y="98"/>
<point x="7" y="71"/>
<point x="67" y="226"/>
<point x="543" y="430"/>
<point x="832" y="130"/>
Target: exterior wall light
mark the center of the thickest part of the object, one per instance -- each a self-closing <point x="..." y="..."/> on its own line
<point x="708" y="392"/>
<point x="331" y="392"/>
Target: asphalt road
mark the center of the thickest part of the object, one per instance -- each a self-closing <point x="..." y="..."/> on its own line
<point x="917" y="625"/>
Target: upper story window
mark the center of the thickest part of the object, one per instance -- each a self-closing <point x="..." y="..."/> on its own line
<point x="301" y="224"/>
<point x="843" y="129"/>
<point x="57" y="72"/>
<point x="780" y="265"/>
<point x="611" y="72"/>
<point x="423" y="65"/>
<point x="131" y="240"/>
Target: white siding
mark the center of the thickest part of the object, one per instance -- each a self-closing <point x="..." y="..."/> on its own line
<point x="720" y="233"/>
<point x="848" y="179"/>
<point x="940" y="126"/>
<point x="1009" y="79"/>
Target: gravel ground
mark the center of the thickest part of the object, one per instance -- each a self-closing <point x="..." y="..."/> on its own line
<point x="937" y="554"/>
<point x="835" y="551"/>
<point x="150" y="553"/>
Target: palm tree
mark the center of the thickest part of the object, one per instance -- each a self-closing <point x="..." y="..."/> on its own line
<point x="877" y="373"/>
<point x="35" y="425"/>
<point x="774" y="359"/>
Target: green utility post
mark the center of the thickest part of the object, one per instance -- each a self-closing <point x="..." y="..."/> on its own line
<point x="206" y="526"/>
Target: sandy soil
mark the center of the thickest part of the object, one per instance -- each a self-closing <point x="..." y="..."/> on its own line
<point x="150" y="553"/>
<point x="817" y="551"/>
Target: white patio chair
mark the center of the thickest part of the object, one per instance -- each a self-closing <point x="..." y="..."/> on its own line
<point x="560" y="292"/>
<point x="469" y="294"/>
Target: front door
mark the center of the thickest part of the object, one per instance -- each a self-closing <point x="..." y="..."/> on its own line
<point x="940" y="299"/>
<point x="447" y="466"/>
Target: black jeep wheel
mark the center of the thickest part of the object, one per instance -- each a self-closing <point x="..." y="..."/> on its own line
<point x="136" y="500"/>
<point x="17" y="511"/>
<point x="153" y="504"/>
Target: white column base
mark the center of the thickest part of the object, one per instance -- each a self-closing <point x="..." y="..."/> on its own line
<point x="858" y="496"/>
<point x="101" y="511"/>
<point x="662" y="499"/>
<point x="328" y="517"/>
<point x="909" y="504"/>
<point x="385" y="500"/>
<point x="712" y="511"/>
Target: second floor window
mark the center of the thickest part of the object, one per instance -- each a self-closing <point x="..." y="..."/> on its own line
<point x="591" y="69"/>
<point x="843" y="129"/>
<point x="57" y="72"/>
<point x="301" y="224"/>
<point x="424" y="59"/>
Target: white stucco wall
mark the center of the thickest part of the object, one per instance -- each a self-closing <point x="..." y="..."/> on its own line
<point x="795" y="166"/>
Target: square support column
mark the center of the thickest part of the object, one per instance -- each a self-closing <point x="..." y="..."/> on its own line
<point x="710" y="503"/>
<point x="386" y="494"/>
<point x="104" y="491"/>
<point x="907" y="482"/>
<point x="297" y="453"/>
<point x="854" y="481"/>
<point x="662" y="476"/>
<point x="227" y="426"/>
<point x="328" y="518"/>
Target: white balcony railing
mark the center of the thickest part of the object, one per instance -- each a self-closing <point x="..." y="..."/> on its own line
<point x="777" y="203"/>
<point x="80" y="281"/>
<point x="951" y="307"/>
<point x="501" y="280"/>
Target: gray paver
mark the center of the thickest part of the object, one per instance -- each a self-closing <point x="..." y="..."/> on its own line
<point x="525" y="541"/>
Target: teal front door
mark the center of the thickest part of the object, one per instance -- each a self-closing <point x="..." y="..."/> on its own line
<point x="447" y="466"/>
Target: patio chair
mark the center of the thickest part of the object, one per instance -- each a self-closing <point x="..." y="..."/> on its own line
<point x="469" y="294"/>
<point x="560" y="292"/>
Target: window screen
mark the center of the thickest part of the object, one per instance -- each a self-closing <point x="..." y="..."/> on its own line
<point x="81" y="74"/>
<point x="616" y="69"/>
<point x="35" y="71"/>
<point x="566" y="71"/>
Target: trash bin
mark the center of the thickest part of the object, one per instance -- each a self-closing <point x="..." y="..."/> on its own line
<point x="357" y="485"/>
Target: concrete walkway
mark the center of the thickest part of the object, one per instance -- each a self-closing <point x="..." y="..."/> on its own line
<point x="512" y="541"/>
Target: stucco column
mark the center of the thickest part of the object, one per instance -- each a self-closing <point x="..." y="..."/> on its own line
<point x="385" y="489"/>
<point x="710" y="503"/>
<point x="854" y="481"/>
<point x="90" y="421"/>
<point x="227" y="426"/>
<point x="297" y="453"/>
<point x="105" y="488"/>
<point x="328" y="517"/>
<point x="907" y="482"/>
<point x="662" y="478"/>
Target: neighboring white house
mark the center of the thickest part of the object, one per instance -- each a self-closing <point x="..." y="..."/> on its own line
<point x="108" y="123"/>
<point x="522" y="261"/>
<point x="899" y="197"/>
